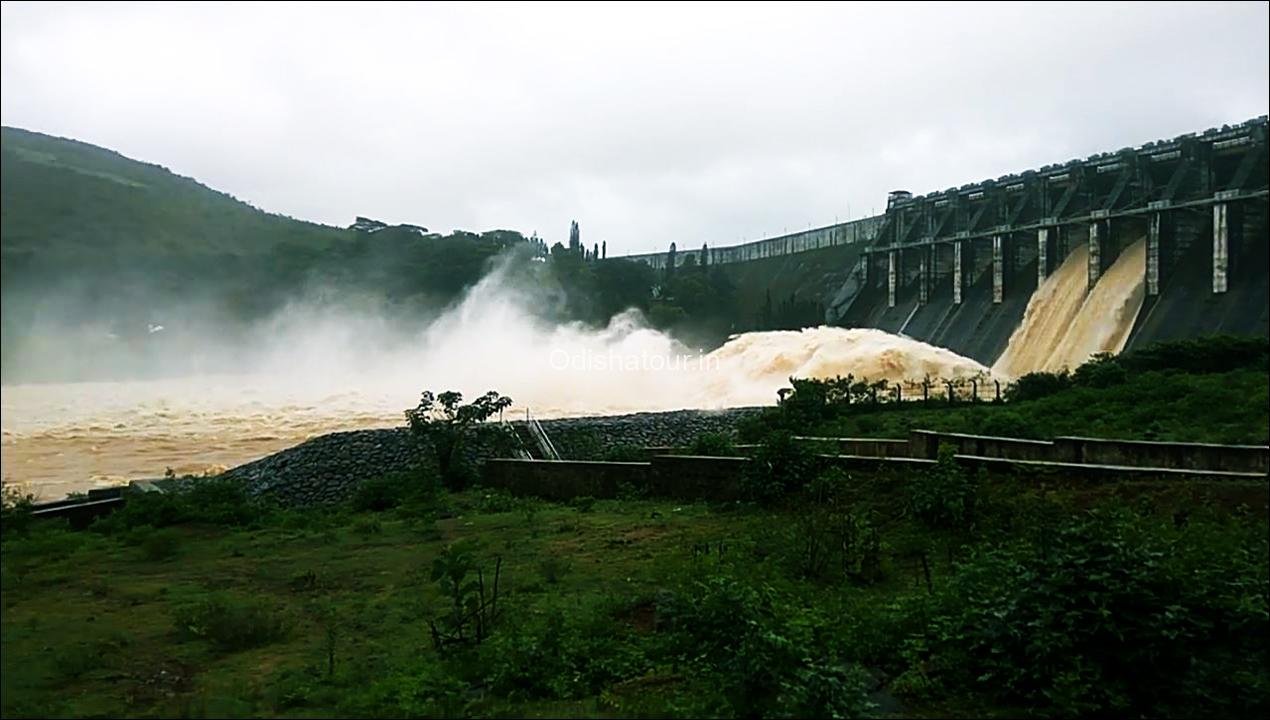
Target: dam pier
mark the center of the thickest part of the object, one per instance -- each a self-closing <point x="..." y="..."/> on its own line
<point x="957" y="268"/>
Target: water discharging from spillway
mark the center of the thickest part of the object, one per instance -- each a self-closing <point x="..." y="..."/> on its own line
<point x="61" y="438"/>
<point x="312" y="380"/>
<point x="1064" y="325"/>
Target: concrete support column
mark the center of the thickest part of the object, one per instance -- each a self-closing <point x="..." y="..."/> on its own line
<point x="1221" y="247"/>
<point x="923" y="277"/>
<point x="1096" y="237"/>
<point x="1153" y="253"/>
<point x="891" y="271"/>
<point x="998" y="270"/>
<point x="1042" y="255"/>
<point x="958" y="274"/>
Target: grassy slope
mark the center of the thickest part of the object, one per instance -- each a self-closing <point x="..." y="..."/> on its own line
<point x="1221" y="407"/>
<point x="88" y="625"/>
<point x="65" y="197"/>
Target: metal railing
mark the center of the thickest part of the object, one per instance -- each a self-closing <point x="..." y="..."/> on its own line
<point x="539" y="435"/>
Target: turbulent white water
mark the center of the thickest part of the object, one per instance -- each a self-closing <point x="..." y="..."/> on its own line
<point x="1066" y="322"/>
<point x="60" y="438"/>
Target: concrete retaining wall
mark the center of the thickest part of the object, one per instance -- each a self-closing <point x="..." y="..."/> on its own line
<point x="685" y="477"/>
<point x="691" y="477"/>
<point x="925" y="444"/>
<point x="1107" y="473"/>
<point x="564" y="479"/>
<point x="1189" y="456"/>
<point x="874" y="447"/>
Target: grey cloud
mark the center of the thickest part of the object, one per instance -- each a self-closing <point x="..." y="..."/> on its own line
<point x="648" y="124"/>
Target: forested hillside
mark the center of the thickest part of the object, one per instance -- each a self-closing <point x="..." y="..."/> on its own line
<point x="95" y="243"/>
<point x="99" y="250"/>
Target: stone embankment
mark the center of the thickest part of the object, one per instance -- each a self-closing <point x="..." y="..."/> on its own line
<point x="329" y="468"/>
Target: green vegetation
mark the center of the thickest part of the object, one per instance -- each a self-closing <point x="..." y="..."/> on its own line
<point x="444" y="424"/>
<point x="841" y="596"/>
<point x="1206" y="390"/>
<point x="98" y="247"/>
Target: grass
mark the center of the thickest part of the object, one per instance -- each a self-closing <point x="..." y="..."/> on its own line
<point x="1228" y="407"/>
<point x="114" y="611"/>
<point x="324" y="613"/>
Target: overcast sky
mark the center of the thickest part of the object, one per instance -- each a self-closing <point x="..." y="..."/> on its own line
<point x="644" y="123"/>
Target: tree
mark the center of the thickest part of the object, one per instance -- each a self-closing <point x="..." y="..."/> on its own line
<point x="445" y="423"/>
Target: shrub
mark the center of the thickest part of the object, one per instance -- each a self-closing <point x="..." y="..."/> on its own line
<point x="1038" y="385"/>
<point x="15" y="510"/>
<point x="583" y="504"/>
<point x="780" y="466"/>
<point x="367" y="526"/>
<point x="944" y="496"/>
<point x="767" y="656"/>
<point x="444" y="424"/>
<point x="563" y="655"/>
<point x="230" y="623"/>
<point x="553" y="569"/>
<point x="832" y="538"/>
<point x="1212" y="354"/>
<point x="624" y="453"/>
<point x="220" y="502"/>
<point x="1007" y="423"/>
<point x="376" y="495"/>
<point x="1114" y="614"/>
<point x="158" y="545"/>
<point x="712" y="444"/>
<point x="1103" y="370"/>
<point x="423" y="689"/>
<point x="494" y="500"/>
<point x="213" y="501"/>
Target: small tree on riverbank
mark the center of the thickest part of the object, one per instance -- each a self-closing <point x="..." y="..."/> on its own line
<point x="444" y="423"/>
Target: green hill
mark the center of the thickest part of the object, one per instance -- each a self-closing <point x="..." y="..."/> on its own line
<point x="94" y="242"/>
<point x="66" y="197"/>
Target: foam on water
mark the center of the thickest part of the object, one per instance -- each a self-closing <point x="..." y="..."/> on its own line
<point x="1066" y="322"/>
<point x="65" y="437"/>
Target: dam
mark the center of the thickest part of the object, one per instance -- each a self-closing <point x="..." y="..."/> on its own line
<point x="958" y="268"/>
<point x="1032" y="271"/>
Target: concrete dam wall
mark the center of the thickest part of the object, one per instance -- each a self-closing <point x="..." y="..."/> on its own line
<point x="1038" y="270"/>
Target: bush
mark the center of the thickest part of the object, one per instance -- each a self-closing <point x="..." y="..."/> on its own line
<point x="563" y="655"/>
<point x="712" y="444"/>
<point x="15" y="510"/>
<point x="213" y="501"/>
<point x="944" y="496"/>
<point x="624" y="453"/>
<point x="218" y="501"/>
<point x="494" y="500"/>
<point x="423" y="689"/>
<point x="767" y="656"/>
<point x="780" y="466"/>
<point x="1212" y="354"/>
<point x="553" y="569"/>
<point x="831" y="538"/>
<point x="1007" y="423"/>
<point x="1114" y="614"/>
<point x="1038" y="385"/>
<point x="230" y="623"/>
<point x="583" y="504"/>
<point x="157" y="545"/>
<point x="379" y="494"/>
<point x="1103" y="370"/>
<point x="367" y="526"/>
